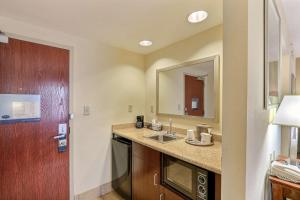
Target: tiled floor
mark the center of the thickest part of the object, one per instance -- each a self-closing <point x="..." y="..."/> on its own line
<point x="110" y="196"/>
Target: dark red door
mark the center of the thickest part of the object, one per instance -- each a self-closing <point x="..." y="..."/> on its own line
<point x="31" y="168"/>
<point x="194" y="96"/>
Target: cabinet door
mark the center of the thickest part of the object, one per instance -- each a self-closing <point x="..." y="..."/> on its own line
<point x="146" y="173"/>
<point x="166" y="194"/>
<point x="217" y="187"/>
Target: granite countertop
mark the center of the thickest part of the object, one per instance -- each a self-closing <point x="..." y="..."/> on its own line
<point x="208" y="157"/>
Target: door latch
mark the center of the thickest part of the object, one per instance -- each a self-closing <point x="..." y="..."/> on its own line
<point x="61" y="137"/>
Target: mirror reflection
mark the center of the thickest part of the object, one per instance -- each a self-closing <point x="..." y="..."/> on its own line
<point x="272" y="54"/>
<point x="188" y="90"/>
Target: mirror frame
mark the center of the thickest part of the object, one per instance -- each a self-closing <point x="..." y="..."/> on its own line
<point x="277" y="99"/>
<point x="216" y="60"/>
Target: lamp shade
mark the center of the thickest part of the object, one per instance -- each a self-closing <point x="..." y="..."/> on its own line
<point x="288" y="113"/>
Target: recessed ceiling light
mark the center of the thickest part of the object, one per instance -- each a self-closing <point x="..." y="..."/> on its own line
<point x="145" y="43"/>
<point x="197" y="16"/>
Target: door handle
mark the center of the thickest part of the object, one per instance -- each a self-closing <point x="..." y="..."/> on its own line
<point x="57" y="137"/>
<point x="154" y="179"/>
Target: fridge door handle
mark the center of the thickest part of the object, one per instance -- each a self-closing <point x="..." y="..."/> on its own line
<point x="129" y="159"/>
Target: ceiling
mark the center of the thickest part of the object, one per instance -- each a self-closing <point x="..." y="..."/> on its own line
<point x="292" y="8"/>
<point x="120" y="23"/>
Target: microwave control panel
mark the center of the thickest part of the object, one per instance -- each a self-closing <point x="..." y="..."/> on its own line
<point x="202" y="185"/>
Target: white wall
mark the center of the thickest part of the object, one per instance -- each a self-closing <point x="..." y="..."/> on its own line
<point x="171" y="92"/>
<point x="248" y="137"/>
<point x="234" y="124"/>
<point x="205" y="44"/>
<point x="262" y="138"/>
<point x="105" y="78"/>
<point x="108" y="80"/>
<point x="298" y="76"/>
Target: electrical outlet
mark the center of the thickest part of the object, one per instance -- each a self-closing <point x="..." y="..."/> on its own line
<point x="152" y="109"/>
<point x="130" y="108"/>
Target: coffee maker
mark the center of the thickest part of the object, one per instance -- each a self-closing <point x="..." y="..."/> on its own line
<point x="139" y="121"/>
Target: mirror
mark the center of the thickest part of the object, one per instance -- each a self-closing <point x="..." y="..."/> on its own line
<point x="272" y="54"/>
<point x="189" y="89"/>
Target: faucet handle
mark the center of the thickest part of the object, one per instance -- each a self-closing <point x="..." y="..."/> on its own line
<point x="209" y="130"/>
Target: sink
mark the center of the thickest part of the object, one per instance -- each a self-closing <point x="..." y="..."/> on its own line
<point x="163" y="138"/>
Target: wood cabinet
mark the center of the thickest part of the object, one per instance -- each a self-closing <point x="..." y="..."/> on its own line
<point x="146" y="173"/>
<point x="217" y="187"/>
<point x="146" y="176"/>
<point x="166" y="194"/>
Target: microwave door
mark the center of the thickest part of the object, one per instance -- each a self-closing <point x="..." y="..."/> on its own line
<point x="180" y="176"/>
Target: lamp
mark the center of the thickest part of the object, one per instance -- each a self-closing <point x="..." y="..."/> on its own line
<point x="288" y="114"/>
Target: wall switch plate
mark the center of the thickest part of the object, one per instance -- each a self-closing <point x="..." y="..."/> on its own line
<point x="152" y="109"/>
<point x="129" y="108"/>
<point x="86" y="110"/>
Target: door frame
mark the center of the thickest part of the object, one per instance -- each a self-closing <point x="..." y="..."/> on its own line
<point x="71" y="92"/>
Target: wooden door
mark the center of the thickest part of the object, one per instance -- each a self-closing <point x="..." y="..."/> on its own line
<point x="194" y="96"/>
<point x="146" y="173"/>
<point x="31" y="168"/>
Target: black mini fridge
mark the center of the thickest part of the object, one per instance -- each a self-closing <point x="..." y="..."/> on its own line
<point x="122" y="166"/>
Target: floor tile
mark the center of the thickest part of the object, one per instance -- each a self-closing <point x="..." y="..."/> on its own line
<point x="110" y="196"/>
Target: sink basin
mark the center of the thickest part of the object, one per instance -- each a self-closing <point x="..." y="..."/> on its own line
<point x="163" y="138"/>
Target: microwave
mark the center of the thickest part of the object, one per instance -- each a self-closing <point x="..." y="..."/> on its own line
<point x="190" y="181"/>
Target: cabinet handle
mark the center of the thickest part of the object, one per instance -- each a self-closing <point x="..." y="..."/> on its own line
<point x="161" y="196"/>
<point x="154" y="179"/>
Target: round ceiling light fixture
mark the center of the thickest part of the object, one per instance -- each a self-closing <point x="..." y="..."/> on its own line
<point x="145" y="43"/>
<point x="197" y="16"/>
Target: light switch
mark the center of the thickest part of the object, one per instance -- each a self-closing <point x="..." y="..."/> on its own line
<point x="86" y="110"/>
<point x="62" y="129"/>
<point x="129" y="108"/>
<point x="152" y="109"/>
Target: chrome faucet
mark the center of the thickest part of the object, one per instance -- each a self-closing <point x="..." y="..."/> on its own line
<point x="170" y="132"/>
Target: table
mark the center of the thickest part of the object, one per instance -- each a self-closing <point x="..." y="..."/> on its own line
<point x="282" y="190"/>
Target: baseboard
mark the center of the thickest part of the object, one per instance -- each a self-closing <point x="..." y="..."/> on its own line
<point x="95" y="192"/>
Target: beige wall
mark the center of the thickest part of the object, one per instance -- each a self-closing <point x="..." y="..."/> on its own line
<point x="202" y="45"/>
<point x="298" y="76"/>
<point x="234" y="124"/>
<point x="248" y="138"/>
<point x="108" y="80"/>
<point x="262" y="138"/>
<point x="105" y="78"/>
